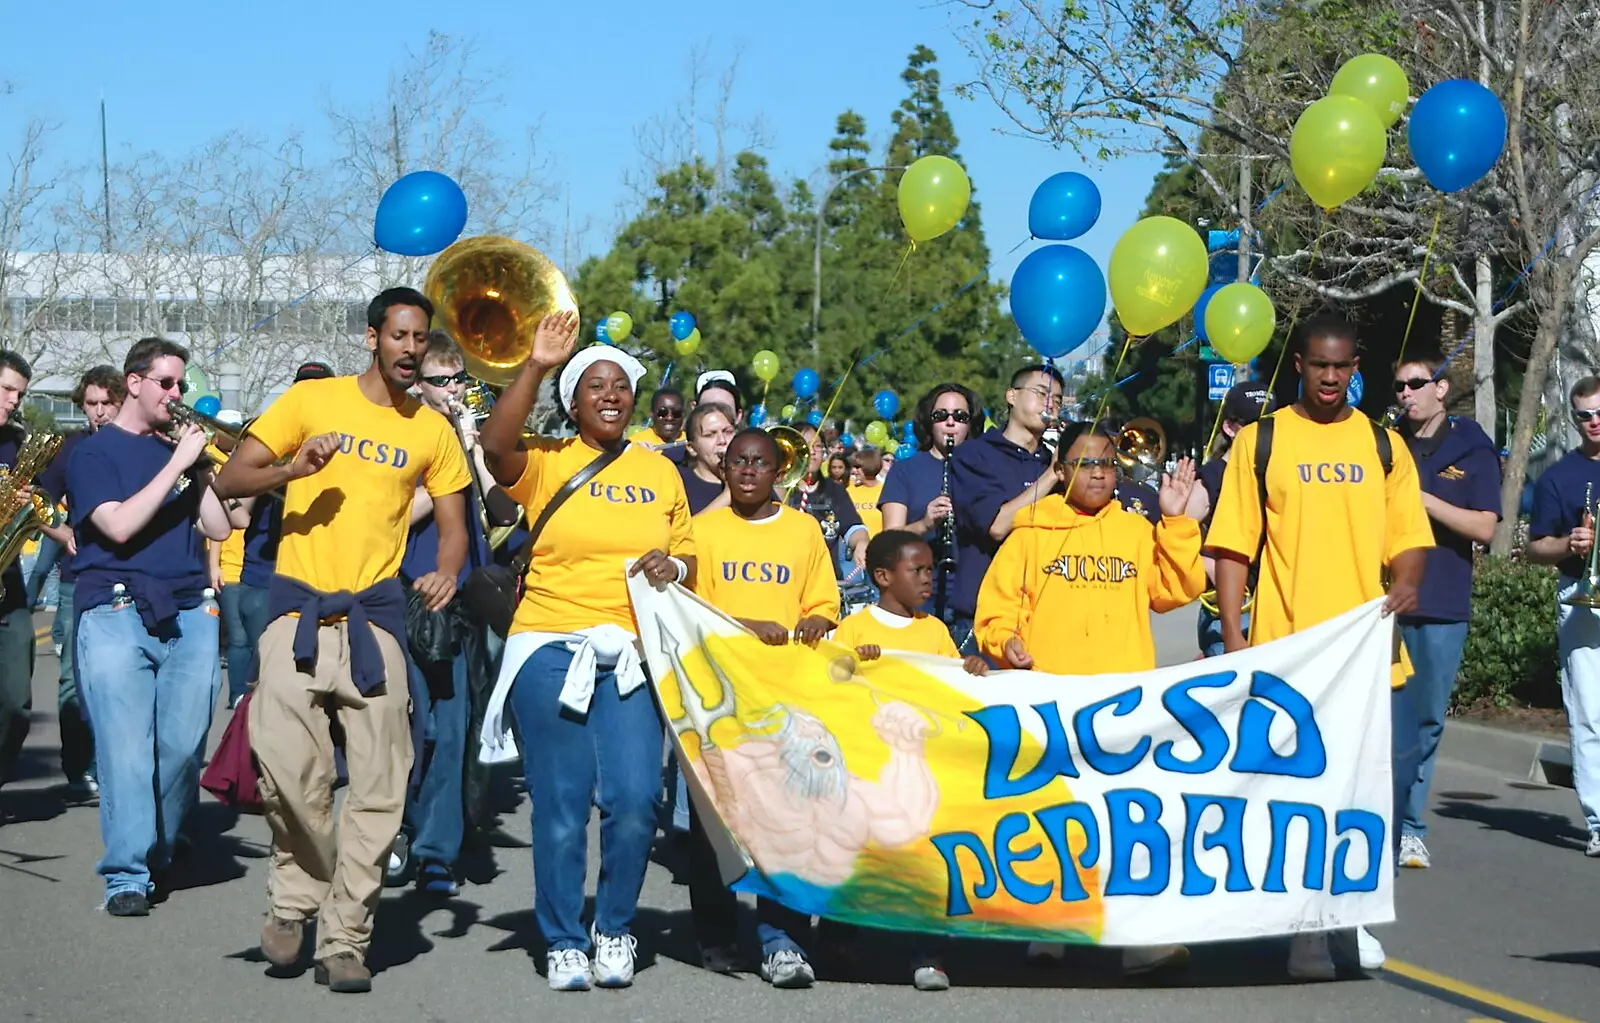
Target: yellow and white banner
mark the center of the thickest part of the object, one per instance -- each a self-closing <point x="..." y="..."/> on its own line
<point x="1234" y="797"/>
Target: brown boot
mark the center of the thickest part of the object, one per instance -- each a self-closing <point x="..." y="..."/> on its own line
<point x="344" y="973"/>
<point x="281" y="940"/>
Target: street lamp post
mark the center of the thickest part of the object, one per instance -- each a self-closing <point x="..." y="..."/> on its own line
<point x="816" y="256"/>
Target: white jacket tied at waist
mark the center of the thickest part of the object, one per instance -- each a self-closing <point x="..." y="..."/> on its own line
<point x="593" y="650"/>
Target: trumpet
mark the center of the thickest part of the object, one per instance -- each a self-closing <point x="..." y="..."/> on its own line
<point x="1141" y="448"/>
<point x="217" y="434"/>
<point x="23" y="510"/>
<point x="1588" y="592"/>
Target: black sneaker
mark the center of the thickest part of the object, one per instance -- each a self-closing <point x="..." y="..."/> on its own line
<point x="398" y="872"/>
<point x="84" y="791"/>
<point x="127" y="904"/>
<point x="435" y="878"/>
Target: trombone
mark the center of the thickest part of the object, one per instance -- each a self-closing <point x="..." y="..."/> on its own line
<point x="1141" y="448"/>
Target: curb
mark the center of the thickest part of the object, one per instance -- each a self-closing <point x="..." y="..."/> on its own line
<point x="1518" y="755"/>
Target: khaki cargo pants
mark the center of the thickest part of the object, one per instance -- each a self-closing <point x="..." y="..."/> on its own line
<point x="315" y="873"/>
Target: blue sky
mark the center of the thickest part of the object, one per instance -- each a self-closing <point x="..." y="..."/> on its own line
<point x="178" y="72"/>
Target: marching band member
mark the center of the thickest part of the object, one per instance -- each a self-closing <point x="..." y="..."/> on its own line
<point x="335" y="648"/>
<point x="16" y="617"/>
<point x="148" y="662"/>
<point x="865" y="492"/>
<point x="1242" y="405"/>
<point x="1342" y="502"/>
<point x="666" y="419"/>
<point x="719" y="386"/>
<point x="710" y="428"/>
<point x="570" y="667"/>
<point x="770" y="568"/>
<point x="830" y="504"/>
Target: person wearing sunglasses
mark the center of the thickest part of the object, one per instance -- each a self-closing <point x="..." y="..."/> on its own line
<point x="1071" y="589"/>
<point x="1562" y="534"/>
<point x="141" y="505"/>
<point x="1460" y="477"/>
<point x="666" y="419"/>
<point x="914" y="496"/>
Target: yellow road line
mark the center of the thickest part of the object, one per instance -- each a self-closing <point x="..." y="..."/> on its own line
<point x="41" y="633"/>
<point x="1471" y="992"/>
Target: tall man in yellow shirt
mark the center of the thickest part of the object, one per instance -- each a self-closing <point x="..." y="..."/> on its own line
<point x="1342" y="502"/>
<point x="336" y="643"/>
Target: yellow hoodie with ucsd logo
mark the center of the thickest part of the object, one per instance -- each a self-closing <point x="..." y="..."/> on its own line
<point x="1078" y="589"/>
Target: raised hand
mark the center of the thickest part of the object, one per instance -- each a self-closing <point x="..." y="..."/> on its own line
<point x="313" y="455"/>
<point x="552" y="342"/>
<point x="1175" y="489"/>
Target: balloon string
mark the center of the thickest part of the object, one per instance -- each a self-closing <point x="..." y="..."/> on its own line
<point x="287" y="306"/>
<point x="1288" y="336"/>
<point x="1422" y="277"/>
<point x="909" y="250"/>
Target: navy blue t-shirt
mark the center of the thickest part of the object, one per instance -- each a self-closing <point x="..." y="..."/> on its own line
<point x="914" y="482"/>
<point x="1210" y="479"/>
<point x="16" y="587"/>
<point x="53" y="481"/>
<point x="261" y="542"/>
<point x="698" y="491"/>
<point x="987" y="471"/>
<point x="422" y="546"/>
<point x="1558" y="503"/>
<point x="113" y="465"/>
<point x="1459" y="466"/>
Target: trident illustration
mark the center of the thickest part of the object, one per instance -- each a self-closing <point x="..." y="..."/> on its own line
<point x="698" y="716"/>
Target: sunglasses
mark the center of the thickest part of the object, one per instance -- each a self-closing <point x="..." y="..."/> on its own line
<point x="1413" y="384"/>
<point x="1086" y="464"/>
<point x="168" y="383"/>
<point x="668" y="412"/>
<point x="960" y="415"/>
<point x="445" y="380"/>
<point x="1583" y="415"/>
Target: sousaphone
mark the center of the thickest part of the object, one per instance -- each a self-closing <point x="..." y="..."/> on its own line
<point x="489" y="293"/>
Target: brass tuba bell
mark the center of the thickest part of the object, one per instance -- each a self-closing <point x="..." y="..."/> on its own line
<point x="1141" y="448"/>
<point x="489" y="293"/>
<point x="794" y="454"/>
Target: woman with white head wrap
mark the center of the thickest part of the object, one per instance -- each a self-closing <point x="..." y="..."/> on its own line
<point x="718" y="385"/>
<point x="570" y="668"/>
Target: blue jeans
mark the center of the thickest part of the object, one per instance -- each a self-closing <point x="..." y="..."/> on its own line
<point x="609" y="758"/>
<point x="436" y="808"/>
<point x="1208" y="628"/>
<point x="44" y="563"/>
<point x="252" y="612"/>
<point x="1435" y="649"/>
<point x="1578" y="638"/>
<point x="77" y="740"/>
<point x="150" y="699"/>
<point x="1404" y="754"/>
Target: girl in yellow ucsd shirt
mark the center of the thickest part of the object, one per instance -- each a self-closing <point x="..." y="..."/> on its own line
<point x="570" y="669"/>
<point x="1071" y="589"/>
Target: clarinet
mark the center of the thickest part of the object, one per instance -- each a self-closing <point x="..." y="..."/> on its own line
<point x="947" y="525"/>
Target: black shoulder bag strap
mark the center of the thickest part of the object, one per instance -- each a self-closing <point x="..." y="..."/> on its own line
<point x="1380" y="437"/>
<point x="1263" y="455"/>
<point x="519" y="560"/>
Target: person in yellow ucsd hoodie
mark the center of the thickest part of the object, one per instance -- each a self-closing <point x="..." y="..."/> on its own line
<point x="1071" y="589"/>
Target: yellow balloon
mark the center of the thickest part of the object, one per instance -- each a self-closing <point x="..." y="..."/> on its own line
<point x="765" y="365"/>
<point x="1240" y="319"/>
<point x="1336" y="150"/>
<point x="788" y="412"/>
<point x="618" y="326"/>
<point x="934" y="192"/>
<point x="1378" y="82"/>
<point x="689" y="345"/>
<point x="1158" y="270"/>
<point x="877" y="433"/>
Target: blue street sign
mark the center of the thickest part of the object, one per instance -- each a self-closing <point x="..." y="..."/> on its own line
<point x="1219" y="377"/>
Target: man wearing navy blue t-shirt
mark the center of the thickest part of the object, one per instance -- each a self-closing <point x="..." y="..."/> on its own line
<point x="148" y="660"/>
<point x="996" y="477"/>
<point x="1562" y="534"/>
<point x="16" y="617"/>
<point x="1460" y="476"/>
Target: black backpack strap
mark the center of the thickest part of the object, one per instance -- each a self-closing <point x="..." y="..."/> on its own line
<point x="519" y="560"/>
<point x="1263" y="454"/>
<point x="1380" y="436"/>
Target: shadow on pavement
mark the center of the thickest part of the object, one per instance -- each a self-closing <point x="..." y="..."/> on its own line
<point x="1590" y="958"/>
<point x="1550" y="828"/>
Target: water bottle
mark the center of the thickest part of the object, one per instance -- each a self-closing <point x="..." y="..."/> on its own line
<point x="208" y="600"/>
<point x="119" y="597"/>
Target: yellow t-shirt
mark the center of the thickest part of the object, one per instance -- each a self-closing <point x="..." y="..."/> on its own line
<point x="577" y="578"/>
<point x="344" y="528"/>
<point x="775" y="569"/>
<point x="866" y="497"/>
<point x="231" y="556"/>
<point x="921" y="633"/>
<point x="1333" y="519"/>
<point x="648" y="437"/>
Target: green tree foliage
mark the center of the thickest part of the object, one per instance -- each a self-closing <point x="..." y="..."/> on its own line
<point x="742" y="260"/>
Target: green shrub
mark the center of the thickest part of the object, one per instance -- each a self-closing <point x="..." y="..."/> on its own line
<point x="1511" y="657"/>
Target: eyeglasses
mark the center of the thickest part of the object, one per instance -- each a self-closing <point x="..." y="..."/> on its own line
<point x="445" y="380"/>
<point x="1050" y="398"/>
<point x="960" y="415"/>
<point x="1583" y="415"/>
<point x="1413" y="384"/>
<point x="168" y="383"/>
<point x="750" y="462"/>
<point x="1089" y="464"/>
<point x="668" y="412"/>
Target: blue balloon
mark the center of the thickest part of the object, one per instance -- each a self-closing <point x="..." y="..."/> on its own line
<point x="1200" y="311"/>
<point x="420" y="214"/>
<point x="904" y="452"/>
<point x="208" y="405"/>
<point x="758" y="415"/>
<point x="847" y="439"/>
<point x="1058" y="298"/>
<point x="1457" y="132"/>
<point x="806" y="383"/>
<point x="1064" y="206"/>
<point x="887" y="403"/>
<point x="600" y="333"/>
<point x="909" y="432"/>
<point x="814" y="417"/>
<point x="682" y="325"/>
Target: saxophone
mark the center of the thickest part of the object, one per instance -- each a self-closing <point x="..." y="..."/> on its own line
<point x="23" y="511"/>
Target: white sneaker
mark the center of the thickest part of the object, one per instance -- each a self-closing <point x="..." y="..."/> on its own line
<point x="930" y="978"/>
<point x="1369" y="951"/>
<point x="1413" y="853"/>
<point x="1149" y="958"/>
<point x="1044" y="953"/>
<point x="1309" y="958"/>
<point x="787" y="968"/>
<point x="1592" y="850"/>
<point x="567" y="969"/>
<point x="613" y="959"/>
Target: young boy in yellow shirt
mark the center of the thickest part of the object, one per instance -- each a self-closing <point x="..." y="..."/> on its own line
<point x="769" y="566"/>
<point x="865" y="493"/>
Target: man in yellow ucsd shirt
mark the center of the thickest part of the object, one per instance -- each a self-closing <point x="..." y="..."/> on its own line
<point x="1342" y="501"/>
<point x="361" y="446"/>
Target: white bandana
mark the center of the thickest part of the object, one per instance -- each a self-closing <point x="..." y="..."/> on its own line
<point x="580" y="363"/>
<point x="713" y="376"/>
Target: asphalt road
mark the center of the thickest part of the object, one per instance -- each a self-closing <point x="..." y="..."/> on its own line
<point x="1503" y="927"/>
